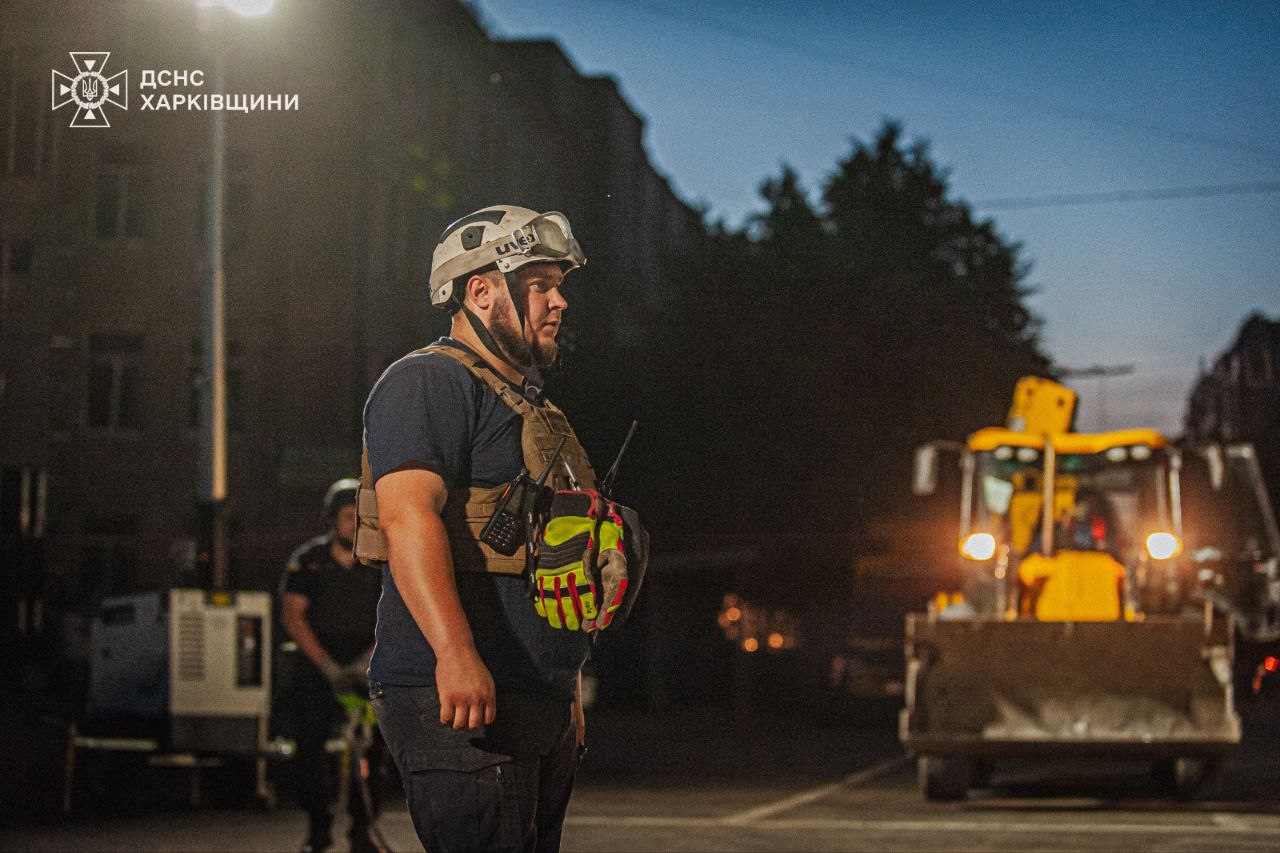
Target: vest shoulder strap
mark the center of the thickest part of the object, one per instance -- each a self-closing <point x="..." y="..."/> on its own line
<point x="480" y="369"/>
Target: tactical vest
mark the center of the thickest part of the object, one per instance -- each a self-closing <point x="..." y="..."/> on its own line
<point x="468" y="508"/>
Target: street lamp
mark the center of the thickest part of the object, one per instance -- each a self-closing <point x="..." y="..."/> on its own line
<point x="213" y="396"/>
<point x="249" y="8"/>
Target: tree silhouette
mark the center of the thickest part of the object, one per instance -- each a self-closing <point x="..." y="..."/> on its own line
<point x="808" y="353"/>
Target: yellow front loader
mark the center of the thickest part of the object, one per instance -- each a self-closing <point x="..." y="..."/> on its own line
<point x="1106" y="575"/>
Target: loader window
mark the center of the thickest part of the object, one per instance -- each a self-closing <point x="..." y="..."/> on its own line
<point x="997" y="494"/>
<point x="1102" y="502"/>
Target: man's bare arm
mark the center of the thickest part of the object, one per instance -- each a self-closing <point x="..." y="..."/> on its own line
<point x="410" y="501"/>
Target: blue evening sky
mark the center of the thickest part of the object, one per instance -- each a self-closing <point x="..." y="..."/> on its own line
<point x="1017" y="99"/>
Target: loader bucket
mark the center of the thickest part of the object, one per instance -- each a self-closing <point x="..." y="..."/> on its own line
<point x="1155" y="688"/>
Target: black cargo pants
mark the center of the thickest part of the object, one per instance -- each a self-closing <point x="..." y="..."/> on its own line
<point x="314" y="710"/>
<point x="504" y="786"/>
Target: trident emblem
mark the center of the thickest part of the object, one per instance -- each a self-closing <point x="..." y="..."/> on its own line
<point x="90" y="90"/>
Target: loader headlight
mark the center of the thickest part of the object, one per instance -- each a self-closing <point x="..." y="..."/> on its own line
<point x="1163" y="546"/>
<point x="978" y="546"/>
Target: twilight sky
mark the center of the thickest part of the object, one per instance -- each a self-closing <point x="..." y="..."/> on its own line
<point x="1018" y="100"/>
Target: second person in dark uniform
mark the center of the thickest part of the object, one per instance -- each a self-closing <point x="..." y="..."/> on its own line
<point x="329" y="608"/>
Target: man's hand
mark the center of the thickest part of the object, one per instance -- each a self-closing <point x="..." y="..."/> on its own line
<point x="355" y="677"/>
<point x="331" y="670"/>
<point x="467" y="695"/>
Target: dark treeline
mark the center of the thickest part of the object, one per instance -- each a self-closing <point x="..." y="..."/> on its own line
<point x="805" y="356"/>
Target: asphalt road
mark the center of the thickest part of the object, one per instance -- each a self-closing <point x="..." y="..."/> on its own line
<point x="710" y="781"/>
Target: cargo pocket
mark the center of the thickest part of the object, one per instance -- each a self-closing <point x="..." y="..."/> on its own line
<point x="466" y="799"/>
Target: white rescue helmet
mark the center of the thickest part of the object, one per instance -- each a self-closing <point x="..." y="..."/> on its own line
<point x="341" y="493"/>
<point x="502" y="236"/>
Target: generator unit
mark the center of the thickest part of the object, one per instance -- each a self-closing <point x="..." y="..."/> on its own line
<point x="195" y="663"/>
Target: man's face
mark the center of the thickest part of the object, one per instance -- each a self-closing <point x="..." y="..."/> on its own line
<point x="544" y="309"/>
<point x="344" y="525"/>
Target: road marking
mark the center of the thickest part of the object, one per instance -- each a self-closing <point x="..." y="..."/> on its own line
<point x="790" y="825"/>
<point x="1021" y="826"/>
<point x="861" y="777"/>
<point x="1231" y="821"/>
<point x="657" y="821"/>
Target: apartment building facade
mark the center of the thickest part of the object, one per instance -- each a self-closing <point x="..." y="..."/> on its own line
<point x="408" y="115"/>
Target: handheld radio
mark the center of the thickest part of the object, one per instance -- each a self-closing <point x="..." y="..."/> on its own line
<point x="505" y="531"/>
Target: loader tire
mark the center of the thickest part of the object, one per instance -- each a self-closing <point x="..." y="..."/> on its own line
<point x="943" y="778"/>
<point x="1183" y="778"/>
<point x="980" y="772"/>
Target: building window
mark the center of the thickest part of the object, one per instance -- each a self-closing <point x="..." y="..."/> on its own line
<point x="124" y="196"/>
<point x="20" y="120"/>
<point x="19" y="254"/>
<point x="108" y="561"/>
<point x="6" y="122"/>
<point x="22" y="502"/>
<point x="235" y="387"/>
<point x="115" y="373"/>
<point x="26" y="129"/>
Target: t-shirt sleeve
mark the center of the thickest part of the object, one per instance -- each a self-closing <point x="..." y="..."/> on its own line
<point x="298" y="578"/>
<point x="421" y="411"/>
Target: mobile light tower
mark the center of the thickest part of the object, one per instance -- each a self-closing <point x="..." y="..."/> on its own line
<point x="213" y="388"/>
<point x="194" y="667"/>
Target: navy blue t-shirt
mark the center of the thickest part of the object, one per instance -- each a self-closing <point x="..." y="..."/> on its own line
<point x="428" y="409"/>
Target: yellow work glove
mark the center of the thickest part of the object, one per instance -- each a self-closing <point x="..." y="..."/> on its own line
<point x="581" y="574"/>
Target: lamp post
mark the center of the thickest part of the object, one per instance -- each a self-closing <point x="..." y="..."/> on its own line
<point x="213" y="397"/>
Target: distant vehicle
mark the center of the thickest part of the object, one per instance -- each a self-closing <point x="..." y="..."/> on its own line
<point x="1106" y="576"/>
<point x="871" y="668"/>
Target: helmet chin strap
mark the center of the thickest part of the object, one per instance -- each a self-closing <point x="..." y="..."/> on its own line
<point x="531" y="374"/>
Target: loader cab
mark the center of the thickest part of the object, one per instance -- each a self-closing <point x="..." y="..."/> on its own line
<point x="1074" y="526"/>
<point x="1098" y="566"/>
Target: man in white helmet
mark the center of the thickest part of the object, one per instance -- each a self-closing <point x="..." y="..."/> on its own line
<point x="477" y="695"/>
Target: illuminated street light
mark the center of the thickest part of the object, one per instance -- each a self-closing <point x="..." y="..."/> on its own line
<point x="249" y="8"/>
<point x="213" y="396"/>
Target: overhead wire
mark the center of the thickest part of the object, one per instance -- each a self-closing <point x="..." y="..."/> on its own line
<point x="1126" y="196"/>
<point x="843" y="59"/>
<point x="833" y="56"/>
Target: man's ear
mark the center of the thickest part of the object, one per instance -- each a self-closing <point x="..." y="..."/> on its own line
<point x="480" y="291"/>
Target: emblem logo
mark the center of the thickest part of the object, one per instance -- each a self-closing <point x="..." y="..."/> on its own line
<point x="90" y="90"/>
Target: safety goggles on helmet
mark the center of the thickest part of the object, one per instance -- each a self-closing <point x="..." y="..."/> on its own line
<point x="543" y="237"/>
